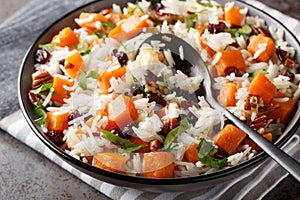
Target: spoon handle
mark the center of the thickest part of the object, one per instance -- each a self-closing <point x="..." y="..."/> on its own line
<point x="282" y="158"/>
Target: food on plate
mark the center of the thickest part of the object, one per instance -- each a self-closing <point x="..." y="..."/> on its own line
<point x="124" y="107"/>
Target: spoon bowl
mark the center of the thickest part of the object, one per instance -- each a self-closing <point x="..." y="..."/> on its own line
<point x="186" y="58"/>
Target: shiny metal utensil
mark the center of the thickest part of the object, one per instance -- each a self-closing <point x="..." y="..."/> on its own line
<point x="193" y="59"/>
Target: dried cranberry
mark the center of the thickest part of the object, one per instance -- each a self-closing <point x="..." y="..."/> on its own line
<point x="221" y="154"/>
<point x="234" y="70"/>
<point x="56" y="137"/>
<point x="260" y="30"/>
<point x="42" y="56"/>
<point x="291" y="75"/>
<point x="282" y="55"/>
<point x="216" y="28"/>
<point x="153" y="97"/>
<point x="156" y="6"/>
<point x="74" y="114"/>
<point x="121" y="56"/>
<point x="62" y="62"/>
<point x="135" y="90"/>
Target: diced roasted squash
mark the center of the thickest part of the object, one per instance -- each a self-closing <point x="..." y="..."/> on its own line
<point x="230" y="138"/>
<point x="159" y="165"/>
<point x="229" y="58"/>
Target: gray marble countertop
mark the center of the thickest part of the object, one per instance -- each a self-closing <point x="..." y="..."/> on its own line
<point x="26" y="174"/>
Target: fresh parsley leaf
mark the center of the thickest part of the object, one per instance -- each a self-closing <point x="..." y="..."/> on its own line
<point x="42" y="88"/>
<point x="173" y="146"/>
<point x="84" y="76"/>
<point x="135" y="8"/>
<point x="156" y="20"/>
<point x="108" y="24"/>
<point x="41" y="116"/>
<point x="93" y="74"/>
<point x="87" y="51"/>
<point x="232" y="31"/>
<point x="190" y="20"/>
<point x="39" y="111"/>
<point x="206" y="151"/>
<point x="164" y="78"/>
<point x="209" y="5"/>
<point x="183" y="126"/>
<point x="99" y="34"/>
<point x="138" y="84"/>
<point x="245" y="30"/>
<point x="131" y="149"/>
<point x="82" y="81"/>
<point x="125" y="145"/>
<point x="259" y="71"/>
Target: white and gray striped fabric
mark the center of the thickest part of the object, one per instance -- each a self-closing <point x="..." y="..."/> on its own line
<point x="248" y="186"/>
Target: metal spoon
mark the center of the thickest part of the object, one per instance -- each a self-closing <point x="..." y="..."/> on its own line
<point x="193" y="59"/>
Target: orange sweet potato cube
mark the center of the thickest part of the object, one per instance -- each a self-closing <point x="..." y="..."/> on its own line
<point x="229" y="58"/>
<point x="229" y="138"/>
<point x="159" y="165"/>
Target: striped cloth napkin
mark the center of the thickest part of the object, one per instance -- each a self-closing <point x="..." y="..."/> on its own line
<point x="253" y="185"/>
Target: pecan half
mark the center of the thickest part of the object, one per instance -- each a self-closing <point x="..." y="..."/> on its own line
<point x="290" y="63"/>
<point x="154" y="145"/>
<point x="259" y="122"/>
<point x="169" y="125"/>
<point x="40" y="78"/>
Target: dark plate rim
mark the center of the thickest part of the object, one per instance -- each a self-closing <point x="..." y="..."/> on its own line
<point x="136" y="179"/>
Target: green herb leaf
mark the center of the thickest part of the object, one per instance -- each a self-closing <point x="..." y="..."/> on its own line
<point x="42" y="88"/>
<point x="108" y="24"/>
<point x="164" y="78"/>
<point x="125" y="145"/>
<point x="86" y="52"/>
<point x="173" y="146"/>
<point x="82" y="81"/>
<point x="190" y="20"/>
<point x="183" y="126"/>
<point x="209" y="5"/>
<point x="39" y="111"/>
<point x="41" y="114"/>
<point x="138" y="84"/>
<point x="245" y="30"/>
<point x="232" y="31"/>
<point x="156" y="20"/>
<point x="206" y="151"/>
<point x="84" y="76"/>
<point x="67" y="93"/>
<point x="259" y="71"/>
<point x="93" y="74"/>
<point x="45" y="46"/>
<point x="99" y="34"/>
<point x="131" y="149"/>
<point x="134" y="9"/>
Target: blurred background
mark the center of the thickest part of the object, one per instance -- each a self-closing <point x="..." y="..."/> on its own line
<point x="289" y="7"/>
